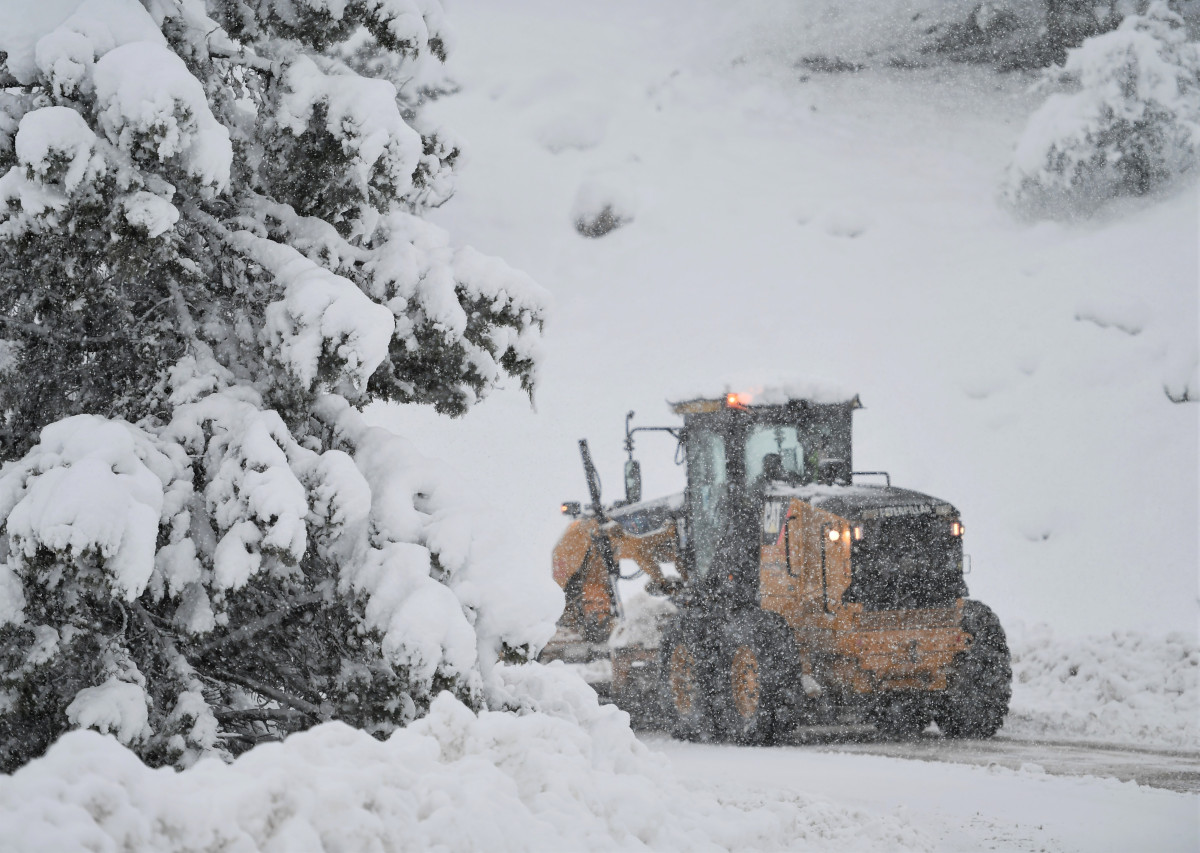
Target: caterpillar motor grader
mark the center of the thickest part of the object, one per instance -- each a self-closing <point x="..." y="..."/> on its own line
<point x="799" y="595"/>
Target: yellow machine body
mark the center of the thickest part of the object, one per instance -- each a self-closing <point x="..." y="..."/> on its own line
<point x="803" y="576"/>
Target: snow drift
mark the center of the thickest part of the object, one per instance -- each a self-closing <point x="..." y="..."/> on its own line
<point x="562" y="773"/>
<point x="1125" y="687"/>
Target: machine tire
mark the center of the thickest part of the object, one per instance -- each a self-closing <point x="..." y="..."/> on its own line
<point x="980" y="683"/>
<point x="902" y="716"/>
<point x="755" y="661"/>
<point x="686" y="685"/>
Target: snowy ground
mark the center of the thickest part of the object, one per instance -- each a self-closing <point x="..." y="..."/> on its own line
<point x="1154" y="767"/>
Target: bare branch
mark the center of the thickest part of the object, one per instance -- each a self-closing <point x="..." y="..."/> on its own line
<point x="184" y="314"/>
<point x="147" y="621"/>
<point x="246" y="58"/>
<point x="265" y="690"/>
<point x="287" y="715"/>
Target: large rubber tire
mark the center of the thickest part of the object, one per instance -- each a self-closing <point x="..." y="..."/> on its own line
<point x="980" y="684"/>
<point x="902" y="715"/>
<point x="756" y="660"/>
<point x="687" y="685"/>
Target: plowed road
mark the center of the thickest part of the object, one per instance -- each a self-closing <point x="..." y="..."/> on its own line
<point x="1000" y="794"/>
<point x="1175" y="770"/>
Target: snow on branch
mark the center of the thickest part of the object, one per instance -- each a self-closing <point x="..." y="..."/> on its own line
<point x="93" y="489"/>
<point x="360" y="113"/>
<point x="150" y="104"/>
<point x="324" y="327"/>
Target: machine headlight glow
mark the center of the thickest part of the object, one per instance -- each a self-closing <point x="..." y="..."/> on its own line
<point x="834" y="535"/>
<point x="956" y="528"/>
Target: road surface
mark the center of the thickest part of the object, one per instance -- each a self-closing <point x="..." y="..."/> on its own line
<point x="1172" y="769"/>
<point x="1001" y="794"/>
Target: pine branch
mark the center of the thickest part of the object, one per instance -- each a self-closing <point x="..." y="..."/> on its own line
<point x="261" y="624"/>
<point x="151" y="629"/>
<point x="41" y="331"/>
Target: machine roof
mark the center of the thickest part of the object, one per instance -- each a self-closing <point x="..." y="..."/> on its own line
<point x="819" y="394"/>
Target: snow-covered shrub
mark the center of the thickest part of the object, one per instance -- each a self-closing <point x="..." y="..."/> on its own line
<point x="211" y="255"/>
<point x="603" y="205"/>
<point x="1129" y="125"/>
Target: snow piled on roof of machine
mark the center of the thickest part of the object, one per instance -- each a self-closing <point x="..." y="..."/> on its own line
<point x="769" y="394"/>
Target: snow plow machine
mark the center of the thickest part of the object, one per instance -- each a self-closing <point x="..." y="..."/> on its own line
<point x="783" y="590"/>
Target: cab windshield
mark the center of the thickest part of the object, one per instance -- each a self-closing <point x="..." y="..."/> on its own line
<point x="773" y="453"/>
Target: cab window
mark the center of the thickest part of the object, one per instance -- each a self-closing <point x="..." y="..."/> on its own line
<point x="781" y="441"/>
<point x="707" y="494"/>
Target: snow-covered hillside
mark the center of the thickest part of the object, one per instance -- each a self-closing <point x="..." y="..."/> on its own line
<point x="786" y="222"/>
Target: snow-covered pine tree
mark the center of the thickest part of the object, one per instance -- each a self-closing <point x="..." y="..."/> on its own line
<point x="211" y="256"/>
<point x="1128" y="124"/>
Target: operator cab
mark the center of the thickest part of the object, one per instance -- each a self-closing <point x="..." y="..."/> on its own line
<point x="736" y="450"/>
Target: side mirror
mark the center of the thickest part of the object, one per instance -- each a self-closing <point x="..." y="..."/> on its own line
<point x="633" y="481"/>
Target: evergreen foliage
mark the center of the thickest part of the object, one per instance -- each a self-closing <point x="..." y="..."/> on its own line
<point x="1129" y="123"/>
<point x="211" y="256"/>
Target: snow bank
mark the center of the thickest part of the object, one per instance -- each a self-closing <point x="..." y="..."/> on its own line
<point x="1125" y="687"/>
<point x="561" y="774"/>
